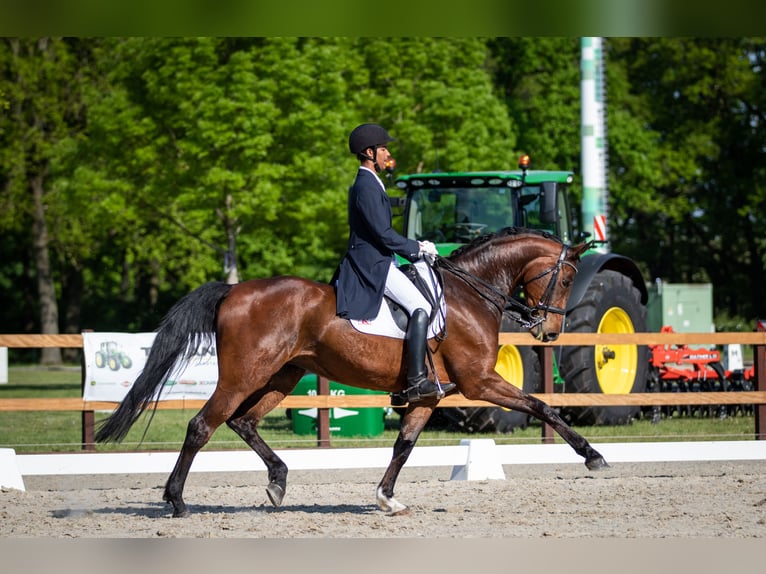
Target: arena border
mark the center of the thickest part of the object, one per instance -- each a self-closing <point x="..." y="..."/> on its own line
<point x="472" y="459"/>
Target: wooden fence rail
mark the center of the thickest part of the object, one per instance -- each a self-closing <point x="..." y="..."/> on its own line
<point x="324" y="401"/>
<point x="565" y="339"/>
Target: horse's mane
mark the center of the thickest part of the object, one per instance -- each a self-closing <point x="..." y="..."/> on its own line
<point x="505" y="232"/>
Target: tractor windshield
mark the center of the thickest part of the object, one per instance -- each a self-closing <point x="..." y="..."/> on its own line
<point x="460" y="214"/>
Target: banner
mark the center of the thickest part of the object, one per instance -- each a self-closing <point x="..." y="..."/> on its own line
<point x="113" y="361"/>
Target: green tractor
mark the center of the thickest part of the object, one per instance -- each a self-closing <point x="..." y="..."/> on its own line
<point x="609" y="294"/>
<point x="109" y="355"/>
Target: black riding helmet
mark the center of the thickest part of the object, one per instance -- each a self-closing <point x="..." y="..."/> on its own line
<point x="365" y="136"/>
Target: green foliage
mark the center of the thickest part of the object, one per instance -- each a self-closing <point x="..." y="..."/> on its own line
<point x="690" y="208"/>
<point x="440" y="102"/>
<point x="160" y="155"/>
<point x="540" y="79"/>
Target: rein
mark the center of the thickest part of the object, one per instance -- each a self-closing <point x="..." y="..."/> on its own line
<point x="488" y="292"/>
<point x="476" y="283"/>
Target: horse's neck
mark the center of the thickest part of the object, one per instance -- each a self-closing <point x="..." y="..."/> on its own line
<point x="503" y="265"/>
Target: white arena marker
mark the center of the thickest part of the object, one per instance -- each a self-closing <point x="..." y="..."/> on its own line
<point x="482" y="462"/>
<point x="10" y="477"/>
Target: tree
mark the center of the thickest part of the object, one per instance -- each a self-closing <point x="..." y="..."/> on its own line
<point x="540" y="80"/>
<point x="41" y="84"/>
<point x="437" y="97"/>
<point x="702" y="108"/>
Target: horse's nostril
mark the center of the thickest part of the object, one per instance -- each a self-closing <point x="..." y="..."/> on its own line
<point x="549" y="337"/>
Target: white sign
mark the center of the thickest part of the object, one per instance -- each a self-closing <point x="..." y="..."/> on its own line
<point x="113" y="362"/>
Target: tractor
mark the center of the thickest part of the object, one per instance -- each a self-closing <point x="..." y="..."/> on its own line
<point x="110" y="355"/>
<point x="609" y="294"/>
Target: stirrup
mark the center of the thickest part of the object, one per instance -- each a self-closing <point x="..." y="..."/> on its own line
<point x="413" y="394"/>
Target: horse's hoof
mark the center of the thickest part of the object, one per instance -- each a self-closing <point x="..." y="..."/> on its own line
<point x="596" y="463"/>
<point x="276" y="493"/>
<point x="390" y="505"/>
<point x="181" y="513"/>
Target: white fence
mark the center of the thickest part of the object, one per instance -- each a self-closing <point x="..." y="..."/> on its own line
<point x="472" y="459"/>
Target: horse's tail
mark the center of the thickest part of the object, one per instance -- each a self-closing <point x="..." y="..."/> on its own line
<point x="189" y="323"/>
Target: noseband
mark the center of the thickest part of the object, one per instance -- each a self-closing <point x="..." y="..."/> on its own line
<point x="544" y="304"/>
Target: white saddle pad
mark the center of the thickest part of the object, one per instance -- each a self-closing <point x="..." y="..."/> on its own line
<point x="384" y="323"/>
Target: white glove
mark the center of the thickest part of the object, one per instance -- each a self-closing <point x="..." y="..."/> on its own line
<point x="427" y="248"/>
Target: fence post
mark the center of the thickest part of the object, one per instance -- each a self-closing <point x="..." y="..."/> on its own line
<point x="759" y="364"/>
<point x="88" y="418"/>
<point x="546" y="366"/>
<point x="323" y="415"/>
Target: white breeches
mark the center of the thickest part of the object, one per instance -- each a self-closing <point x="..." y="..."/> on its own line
<point x="403" y="291"/>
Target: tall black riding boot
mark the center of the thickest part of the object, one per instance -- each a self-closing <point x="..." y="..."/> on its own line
<point x="419" y="386"/>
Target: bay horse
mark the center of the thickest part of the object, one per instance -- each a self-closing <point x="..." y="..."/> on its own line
<point x="270" y="332"/>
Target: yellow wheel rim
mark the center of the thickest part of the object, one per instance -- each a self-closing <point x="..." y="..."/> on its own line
<point x="616" y="365"/>
<point x="510" y="365"/>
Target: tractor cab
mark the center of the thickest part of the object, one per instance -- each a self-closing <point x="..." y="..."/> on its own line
<point x="451" y="209"/>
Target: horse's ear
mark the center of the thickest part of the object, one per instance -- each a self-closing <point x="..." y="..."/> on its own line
<point x="579" y="249"/>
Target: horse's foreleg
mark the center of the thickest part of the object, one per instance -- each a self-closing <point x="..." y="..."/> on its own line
<point x="508" y="396"/>
<point x="539" y="409"/>
<point x="413" y="422"/>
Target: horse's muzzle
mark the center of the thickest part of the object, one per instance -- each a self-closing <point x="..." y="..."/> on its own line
<point x="545" y="336"/>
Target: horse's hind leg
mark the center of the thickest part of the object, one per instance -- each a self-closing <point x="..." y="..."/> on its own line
<point x="245" y="425"/>
<point x="413" y="422"/>
<point x="198" y="432"/>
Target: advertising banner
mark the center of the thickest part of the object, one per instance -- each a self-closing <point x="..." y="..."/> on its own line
<point x="113" y="361"/>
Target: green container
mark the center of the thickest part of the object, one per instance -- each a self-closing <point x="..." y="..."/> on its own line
<point x="687" y="307"/>
<point x="343" y="421"/>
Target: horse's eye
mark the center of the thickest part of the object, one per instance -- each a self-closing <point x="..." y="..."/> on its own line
<point x="567" y="283"/>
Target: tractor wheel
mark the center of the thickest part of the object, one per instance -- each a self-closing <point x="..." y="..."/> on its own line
<point x="125" y="361"/>
<point x="113" y="363"/>
<point x="100" y="360"/>
<point x="519" y="366"/>
<point x="612" y="304"/>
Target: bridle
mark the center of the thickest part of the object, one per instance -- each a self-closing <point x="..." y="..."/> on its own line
<point x="529" y="317"/>
<point x="544" y="304"/>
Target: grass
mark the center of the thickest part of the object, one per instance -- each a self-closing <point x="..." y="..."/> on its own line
<point x="29" y="432"/>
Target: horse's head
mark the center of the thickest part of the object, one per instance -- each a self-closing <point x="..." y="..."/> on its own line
<point x="547" y="281"/>
<point x="498" y="264"/>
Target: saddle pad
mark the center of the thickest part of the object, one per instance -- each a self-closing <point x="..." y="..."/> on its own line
<point x="384" y="323"/>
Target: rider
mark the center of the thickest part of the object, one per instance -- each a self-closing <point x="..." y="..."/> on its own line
<point x="369" y="269"/>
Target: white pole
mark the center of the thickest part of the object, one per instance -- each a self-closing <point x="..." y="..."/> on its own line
<point x="594" y="140"/>
<point x="3" y="365"/>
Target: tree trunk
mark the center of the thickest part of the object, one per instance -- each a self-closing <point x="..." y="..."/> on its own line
<point x="71" y="300"/>
<point x="46" y="290"/>
<point x="230" y="257"/>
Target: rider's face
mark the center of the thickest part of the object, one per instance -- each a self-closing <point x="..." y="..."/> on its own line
<point x="381" y="154"/>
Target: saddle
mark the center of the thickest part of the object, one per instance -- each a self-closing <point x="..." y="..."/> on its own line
<point x="392" y="318"/>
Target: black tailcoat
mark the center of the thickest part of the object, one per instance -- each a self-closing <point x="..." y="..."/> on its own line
<point x="372" y="243"/>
